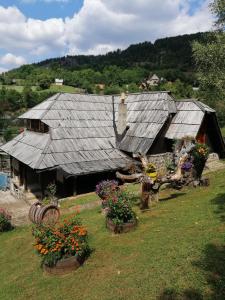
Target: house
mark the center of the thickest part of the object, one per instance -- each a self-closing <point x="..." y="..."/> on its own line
<point x="153" y="81"/>
<point x="58" y="81"/>
<point x="76" y="140"/>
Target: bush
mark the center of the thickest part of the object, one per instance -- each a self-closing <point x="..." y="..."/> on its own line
<point x="5" y="220"/>
<point x="61" y="241"/>
<point x="105" y="189"/>
<point x="119" y="208"/>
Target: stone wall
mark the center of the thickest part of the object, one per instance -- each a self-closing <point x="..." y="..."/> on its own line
<point x="161" y="161"/>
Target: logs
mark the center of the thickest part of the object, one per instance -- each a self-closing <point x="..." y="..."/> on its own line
<point x="129" y="178"/>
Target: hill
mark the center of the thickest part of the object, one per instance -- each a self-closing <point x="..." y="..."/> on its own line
<point x="170" y="57"/>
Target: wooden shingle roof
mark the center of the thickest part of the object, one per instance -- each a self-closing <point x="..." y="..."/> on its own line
<point x="188" y="119"/>
<point x="82" y="135"/>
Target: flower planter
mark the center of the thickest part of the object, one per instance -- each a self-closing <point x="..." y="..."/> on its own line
<point x="122" y="228"/>
<point x="65" y="266"/>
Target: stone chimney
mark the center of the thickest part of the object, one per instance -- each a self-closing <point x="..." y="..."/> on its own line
<point x="122" y="115"/>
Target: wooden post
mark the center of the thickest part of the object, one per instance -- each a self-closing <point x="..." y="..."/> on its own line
<point x="40" y="179"/>
<point x="21" y="174"/>
<point x="25" y="178"/>
<point x="75" y="186"/>
<point x="145" y="194"/>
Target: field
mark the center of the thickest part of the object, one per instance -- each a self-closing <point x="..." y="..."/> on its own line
<point x="177" y="252"/>
<point x="53" y="88"/>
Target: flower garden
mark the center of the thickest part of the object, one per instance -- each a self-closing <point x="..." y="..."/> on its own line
<point x="168" y="252"/>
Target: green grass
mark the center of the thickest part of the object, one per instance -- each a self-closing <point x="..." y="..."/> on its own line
<point x="63" y="89"/>
<point x="18" y="88"/>
<point x="177" y="252"/>
<point x="53" y="88"/>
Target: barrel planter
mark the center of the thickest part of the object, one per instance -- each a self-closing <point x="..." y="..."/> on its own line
<point x="64" y="266"/>
<point x="44" y="214"/>
<point x="122" y="228"/>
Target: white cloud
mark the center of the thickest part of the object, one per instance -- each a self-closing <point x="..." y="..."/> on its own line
<point x="3" y="70"/>
<point x="100" y="26"/>
<point x="12" y="60"/>
<point x="21" y="34"/>
<point x="119" y="23"/>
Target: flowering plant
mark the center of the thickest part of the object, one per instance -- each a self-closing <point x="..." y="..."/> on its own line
<point x="105" y="189"/>
<point x="187" y="166"/>
<point x="5" y="220"/>
<point x="200" y="154"/>
<point x="119" y="208"/>
<point x="60" y="241"/>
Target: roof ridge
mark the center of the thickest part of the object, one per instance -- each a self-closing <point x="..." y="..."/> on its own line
<point x="38" y="163"/>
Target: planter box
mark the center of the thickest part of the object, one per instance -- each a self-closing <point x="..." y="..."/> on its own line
<point x="125" y="227"/>
<point x="65" y="266"/>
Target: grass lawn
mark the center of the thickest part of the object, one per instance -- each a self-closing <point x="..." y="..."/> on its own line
<point x="53" y="88"/>
<point x="63" y="89"/>
<point x="18" y="88"/>
<point x="177" y="252"/>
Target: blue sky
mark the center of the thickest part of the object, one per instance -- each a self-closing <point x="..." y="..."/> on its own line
<point x="43" y="10"/>
<point x="32" y="30"/>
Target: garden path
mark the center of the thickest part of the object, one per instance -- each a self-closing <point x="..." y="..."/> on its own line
<point x="17" y="208"/>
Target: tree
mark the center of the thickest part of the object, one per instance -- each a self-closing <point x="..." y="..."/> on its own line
<point x="210" y="60"/>
<point x="44" y="82"/>
<point x="218" y="8"/>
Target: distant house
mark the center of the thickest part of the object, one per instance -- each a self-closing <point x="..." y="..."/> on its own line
<point x="58" y="81"/>
<point x="100" y="86"/>
<point x="153" y="81"/>
<point x="76" y="140"/>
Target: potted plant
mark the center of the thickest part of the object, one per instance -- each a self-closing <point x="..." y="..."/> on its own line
<point x="120" y="216"/>
<point x="105" y="189"/>
<point x="5" y="220"/>
<point x="63" y="247"/>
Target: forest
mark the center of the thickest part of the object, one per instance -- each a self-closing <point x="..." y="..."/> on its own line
<point x="122" y="70"/>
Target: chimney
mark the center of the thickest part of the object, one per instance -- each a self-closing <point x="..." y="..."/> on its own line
<point x="122" y="115"/>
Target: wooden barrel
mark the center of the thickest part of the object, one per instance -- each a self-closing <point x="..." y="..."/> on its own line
<point x="65" y="266"/>
<point x="33" y="210"/>
<point x="44" y="214"/>
<point x="122" y="228"/>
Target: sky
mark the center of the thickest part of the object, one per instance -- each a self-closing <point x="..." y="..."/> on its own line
<point x="33" y="30"/>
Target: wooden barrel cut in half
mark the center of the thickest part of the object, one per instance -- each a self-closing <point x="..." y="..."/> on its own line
<point x="44" y="214"/>
<point x="65" y="266"/>
<point x="122" y="228"/>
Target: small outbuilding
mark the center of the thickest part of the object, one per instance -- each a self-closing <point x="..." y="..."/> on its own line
<point x="59" y="82"/>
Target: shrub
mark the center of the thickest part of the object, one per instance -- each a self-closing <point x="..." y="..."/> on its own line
<point x="105" y="189"/>
<point x="61" y="241"/>
<point x="5" y="220"/>
<point x="119" y="208"/>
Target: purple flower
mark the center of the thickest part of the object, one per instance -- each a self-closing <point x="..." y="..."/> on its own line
<point x="187" y="166"/>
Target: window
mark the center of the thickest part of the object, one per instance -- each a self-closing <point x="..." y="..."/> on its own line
<point x="36" y="125"/>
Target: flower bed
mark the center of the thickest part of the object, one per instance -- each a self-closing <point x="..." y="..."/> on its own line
<point x="5" y="220"/>
<point x="105" y="189"/>
<point x="120" y="216"/>
<point x="61" y="242"/>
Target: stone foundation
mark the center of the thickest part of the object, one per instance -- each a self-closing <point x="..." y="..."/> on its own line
<point x="161" y="161"/>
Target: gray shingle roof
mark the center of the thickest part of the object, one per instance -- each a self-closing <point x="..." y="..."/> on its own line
<point x="82" y="137"/>
<point x="188" y="119"/>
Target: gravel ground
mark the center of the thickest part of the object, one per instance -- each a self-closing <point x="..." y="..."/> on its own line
<point x="17" y="208"/>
